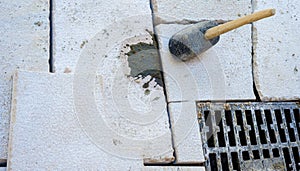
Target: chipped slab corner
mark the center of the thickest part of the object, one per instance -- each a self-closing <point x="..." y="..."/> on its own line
<point x="276" y="59"/>
<point x="186" y="133"/>
<point x="56" y="131"/>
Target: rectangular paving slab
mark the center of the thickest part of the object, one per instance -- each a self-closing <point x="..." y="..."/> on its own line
<point x="75" y="23"/>
<point x="57" y="124"/>
<point x="277" y="61"/>
<point x="24" y="44"/>
<point x="224" y="72"/>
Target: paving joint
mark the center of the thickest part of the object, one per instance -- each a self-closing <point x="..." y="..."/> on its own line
<point x="162" y="76"/>
<point x="51" y="60"/>
<point x="253" y="54"/>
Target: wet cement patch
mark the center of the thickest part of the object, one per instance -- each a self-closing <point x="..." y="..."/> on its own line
<point x="144" y="60"/>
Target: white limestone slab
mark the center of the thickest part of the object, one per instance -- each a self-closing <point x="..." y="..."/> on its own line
<point x="277" y="54"/>
<point x="49" y="132"/>
<point x="24" y="44"/>
<point x="186" y="133"/>
<point x="173" y="168"/>
<point x="77" y="22"/>
<point x="223" y="72"/>
<point x="172" y="11"/>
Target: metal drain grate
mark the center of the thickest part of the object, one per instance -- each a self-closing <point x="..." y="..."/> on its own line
<point x="250" y="136"/>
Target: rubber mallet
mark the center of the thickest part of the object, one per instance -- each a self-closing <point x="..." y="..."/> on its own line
<point x="196" y="39"/>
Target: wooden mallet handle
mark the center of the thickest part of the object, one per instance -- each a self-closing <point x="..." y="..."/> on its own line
<point x="224" y="28"/>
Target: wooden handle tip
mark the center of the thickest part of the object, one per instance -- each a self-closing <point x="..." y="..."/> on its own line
<point x="273" y="11"/>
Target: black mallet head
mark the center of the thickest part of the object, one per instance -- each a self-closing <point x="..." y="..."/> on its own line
<point x="190" y="42"/>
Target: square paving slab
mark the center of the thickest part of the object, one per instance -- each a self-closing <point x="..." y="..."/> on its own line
<point x="49" y="132"/>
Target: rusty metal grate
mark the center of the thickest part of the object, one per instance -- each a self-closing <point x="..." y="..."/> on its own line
<point x="250" y="136"/>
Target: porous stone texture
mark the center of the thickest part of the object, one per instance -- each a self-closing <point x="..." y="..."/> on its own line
<point x="277" y="54"/>
<point x="24" y="44"/>
<point x="77" y="22"/>
<point x="191" y="10"/>
<point x="224" y="72"/>
<point x="61" y="123"/>
<point x="186" y="133"/>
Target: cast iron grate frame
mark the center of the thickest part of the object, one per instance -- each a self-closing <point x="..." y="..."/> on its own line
<point x="250" y="135"/>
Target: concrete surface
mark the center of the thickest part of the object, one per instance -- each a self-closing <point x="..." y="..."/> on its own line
<point x="24" y="44"/>
<point x="224" y="72"/>
<point x="191" y="10"/>
<point x="51" y="132"/>
<point x="186" y="134"/>
<point x="277" y="54"/>
<point x="77" y="22"/>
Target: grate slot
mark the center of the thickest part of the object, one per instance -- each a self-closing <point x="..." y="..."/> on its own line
<point x="279" y="125"/>
<point x="270" y="126"/>
<point x="276" y="152"/>
<point x="227" y="140"/>
<point x="289" y="125"/>
<point x="250" y="136"/>
<point x="246" y="155"/>
<point x="221" y="138"/>
<point x="256" y="154"/>
<point x="247" y="129"/>
<point x="208" y="124"/>
<point x="297" y="119"/>
<point x="266" y="153"/>
<point x="235" y="161"/>
<point x="237" y="130"/>
<point x="261" y="129"/>
<point x="213" y="162"/>
<point x="229" y="123"/>
<point x="258" y="131"/>
<point x="284" y="125"/>
<point x="240" y="123"/>
<point x="296" y="153"/>
<point x="266" y="131"/>
<point x="287" y="157"/>
<point x="215" y="128"/>
<point x="224" y="160"/>
<point x="276" y="126"/>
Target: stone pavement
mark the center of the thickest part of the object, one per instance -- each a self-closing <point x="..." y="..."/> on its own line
<point x="96" y="38"/>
